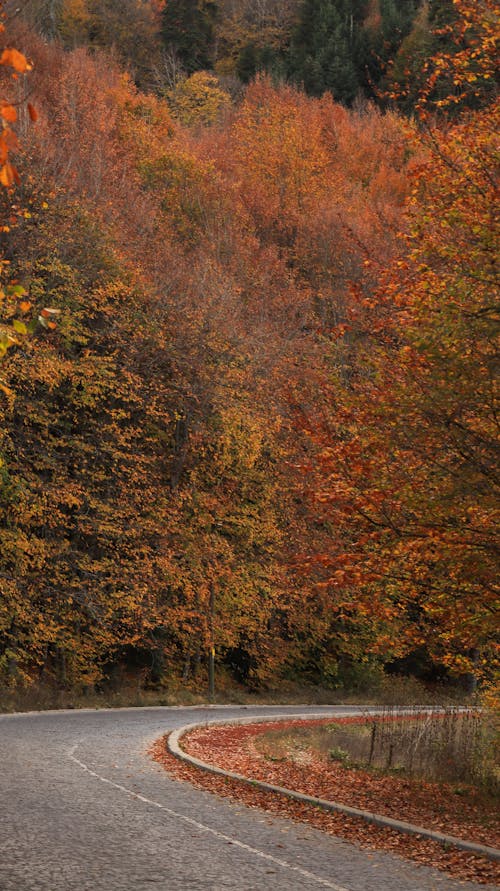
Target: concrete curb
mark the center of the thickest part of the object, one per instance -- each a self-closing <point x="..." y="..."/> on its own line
<point x="173" y="745"/>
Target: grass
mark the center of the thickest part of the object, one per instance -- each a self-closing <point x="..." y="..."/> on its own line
<point x="456" y="747"/>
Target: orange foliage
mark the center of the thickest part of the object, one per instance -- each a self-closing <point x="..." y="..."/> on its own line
<point x="406" y="443"/>
<point x="214" y="286"/>
<point x="10" y="58"/>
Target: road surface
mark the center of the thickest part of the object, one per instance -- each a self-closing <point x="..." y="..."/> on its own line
<point x="83" y="807"/>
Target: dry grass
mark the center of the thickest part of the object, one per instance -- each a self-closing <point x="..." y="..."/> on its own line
<point x="455" y="746"/>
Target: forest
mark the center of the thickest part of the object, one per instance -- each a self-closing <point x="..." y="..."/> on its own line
<point x="248" y="343"/>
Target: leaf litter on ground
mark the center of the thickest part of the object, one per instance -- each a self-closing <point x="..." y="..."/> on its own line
<point x="238" y="748"/>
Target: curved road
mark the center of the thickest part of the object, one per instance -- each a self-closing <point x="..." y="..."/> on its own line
<point x="83" y="807"/>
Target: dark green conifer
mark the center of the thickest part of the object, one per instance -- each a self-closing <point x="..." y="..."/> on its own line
<point x="246" y="66"/>
<point x="334" y="49"/>
<point x="188" y="29"/>
<point x="323" y="49"/>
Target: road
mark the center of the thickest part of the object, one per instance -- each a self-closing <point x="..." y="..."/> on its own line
<point x="83" y="807"/>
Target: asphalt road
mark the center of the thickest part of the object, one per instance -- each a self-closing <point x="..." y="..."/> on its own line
<point x="83" y="807"/>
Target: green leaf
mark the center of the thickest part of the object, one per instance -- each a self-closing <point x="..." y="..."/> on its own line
<point x="16" y="290"/>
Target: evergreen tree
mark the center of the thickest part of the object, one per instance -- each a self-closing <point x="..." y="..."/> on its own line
<point x="324" y="45"/>
<point x="434" y="31"/>
<point x="405" y="77"/>
<point x="253" y="59"/>
<point x="379" y="44"/>
<point x="188" y="29"/>
<point x="335" y="46"/>
<point x="397" y="20"/>
<point x="247" y="64"/>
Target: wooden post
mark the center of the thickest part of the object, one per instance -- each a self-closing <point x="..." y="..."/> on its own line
<point x="211" y="673"/>
<point x="211" y="655"/>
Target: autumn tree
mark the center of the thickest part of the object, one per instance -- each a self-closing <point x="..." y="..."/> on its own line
<point x="152" y="507"/>
<point x="68" y="605"/>
<point x="130" y="29"/>
<point x="254" y="37"/>
<point x="14" y="304"/>
<point x="198" y="100"/>
<point x="406" y="453"/>
<point x="450" y="33"/>
<point x="405" y="72"/>
<point x="152" y="481"/>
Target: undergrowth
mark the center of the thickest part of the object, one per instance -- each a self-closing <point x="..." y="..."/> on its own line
<point x="134" y="693"/>
<point x="454" y="745"/>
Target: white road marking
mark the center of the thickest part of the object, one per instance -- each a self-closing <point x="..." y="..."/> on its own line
<point x="220" y="835"/>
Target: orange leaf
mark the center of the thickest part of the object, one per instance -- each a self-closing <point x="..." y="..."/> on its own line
<point x="15" y="59"/>
<point x="7" y="175"/>
<point x="9" y="113"/>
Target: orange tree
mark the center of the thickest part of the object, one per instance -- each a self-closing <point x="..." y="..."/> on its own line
<point x="405" y="471"/>
<point x="78" y="575"/>
<point x="138" y="478"/>
<point x="14" y="63"/>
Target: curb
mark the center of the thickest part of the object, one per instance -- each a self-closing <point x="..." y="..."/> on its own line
<point x="173" y="745"/>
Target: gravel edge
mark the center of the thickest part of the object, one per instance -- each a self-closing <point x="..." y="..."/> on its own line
<point x="174" y="747"/>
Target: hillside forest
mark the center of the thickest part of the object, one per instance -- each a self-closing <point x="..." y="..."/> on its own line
<point x="248" y="342"/>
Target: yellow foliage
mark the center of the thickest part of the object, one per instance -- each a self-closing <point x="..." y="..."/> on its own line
<point x="490" y="697"/>
<point x="242" y="438"/>
<point x="74" y="22"/>
<point x="198" y="100"/>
